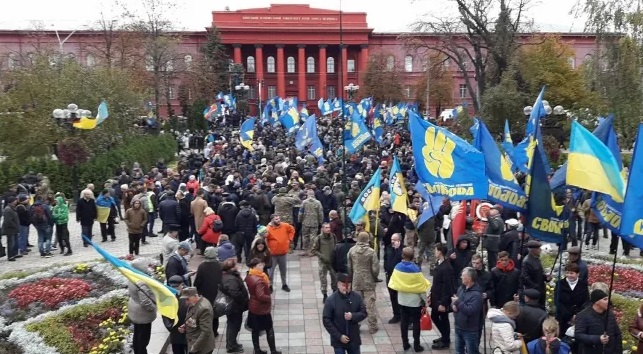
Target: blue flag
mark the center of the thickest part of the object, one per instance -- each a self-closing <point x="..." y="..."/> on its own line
<point x="290" y="119"/>
<point x="378" y="129"/>
<point x="247" y="133"/>
<point x="431" y="205"/>
<point x="368" y="200"/>
<point x="306" y="133"/>
<point x="632" y="224"/>
<point x="522" y="153"/>
<point x="445" y="163"/>
<point x="503" y="188"/>
<point x="356" y="133"/>
<point x="545" y="220"/>
<point x="508" y="144"/>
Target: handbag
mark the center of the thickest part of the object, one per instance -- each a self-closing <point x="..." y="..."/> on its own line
<point x="222" y="304"/>
<point x="425" y="320"/>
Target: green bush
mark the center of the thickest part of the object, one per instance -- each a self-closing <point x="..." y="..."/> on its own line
<point x="145" y="149"/>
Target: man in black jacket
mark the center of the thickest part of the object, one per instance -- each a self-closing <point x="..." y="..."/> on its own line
<point x="340" y="253"/>
<point x="510" y="239"/>
<point x="178" y="265"/>
<point x="504" y="281"/>
<point x="590" y="332"/>
<point x="86" y="214"/>
<point x="532" y="314"/>
<point x="440" y="299"/>
<point x="343" y="311"/>
<point x="246" y="222"/>
<point x="532" y="274"/>
<point x="169" y="212"/>
<point x="393" y="256"/>
<point x="178" y="340"/>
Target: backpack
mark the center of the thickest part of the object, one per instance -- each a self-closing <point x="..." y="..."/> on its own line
<point x="38" y="216"/>
<point x="217" y="225"/>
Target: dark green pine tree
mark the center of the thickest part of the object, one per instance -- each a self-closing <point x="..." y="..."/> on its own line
<point x="216" y="62"/>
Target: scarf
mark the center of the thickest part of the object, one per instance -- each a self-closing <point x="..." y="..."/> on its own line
<point x="572" y="285"/>
<point x="260" y="274"/>
<point x="408" y="278"/>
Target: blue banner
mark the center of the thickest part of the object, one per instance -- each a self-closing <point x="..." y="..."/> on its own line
<point x="356" y="133"/>
<point x="445" y="163"/>
<point x="632" y="224"/>
<point x="503" y="187"/>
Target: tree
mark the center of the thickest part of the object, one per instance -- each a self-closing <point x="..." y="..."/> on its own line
<point x="505" y="101"/>
<point x="211" y="71"/>
<point x="440" y="84"/>
<point x="382" y="79"/>
<point x="474" y="37"/>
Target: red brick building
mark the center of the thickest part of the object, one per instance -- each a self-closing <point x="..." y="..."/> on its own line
<point x="286" y="50"/>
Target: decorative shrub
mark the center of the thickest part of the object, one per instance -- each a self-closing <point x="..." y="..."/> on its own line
<point x="50" y="292"/>
<point x="7" y="347"/>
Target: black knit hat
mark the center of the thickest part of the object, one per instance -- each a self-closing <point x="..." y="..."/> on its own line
<point x="597" y="295"/>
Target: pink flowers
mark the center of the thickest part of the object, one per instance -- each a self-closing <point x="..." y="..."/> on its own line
<point x="50" y="292"/>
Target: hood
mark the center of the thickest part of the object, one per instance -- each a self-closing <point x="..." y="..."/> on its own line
<point x="461" y="239"/>
<point x="497" y="316"/>
<point x="227" y="205"/>
<point x="510" y="266"/>
<point x="226" y="245"/>
<point x="246" y="212"/>
<point x="60" y="201"/>
<point x="361" y="247"/>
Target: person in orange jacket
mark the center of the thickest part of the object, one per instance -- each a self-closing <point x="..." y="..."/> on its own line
<point x="279" y="237"/>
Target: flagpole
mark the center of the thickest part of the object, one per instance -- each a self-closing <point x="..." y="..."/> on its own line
<point x="609" y="293"/>
<point x="341" y="73"/>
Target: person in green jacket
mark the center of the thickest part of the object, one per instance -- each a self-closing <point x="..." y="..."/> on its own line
<point x="60" y="214"/>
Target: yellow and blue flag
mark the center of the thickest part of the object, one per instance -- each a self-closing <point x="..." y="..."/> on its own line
<point x="503" y="187"/>
<point x="431" y="205"/>
<point x="508" y="144"/>
<point x="247" y="133"/>
<point x="632" y="222"/>
<point x="592" y="166"/>
<point x="303" y="113"/>
<point x="397" y="188"/>
<point x="338" y="105"/>
<point x="165" y="296"/>
<point x="290" y="119"/>
<point x="408" y="278"/>
<point x="546" y="221"/>
<point x="523" y="152"/>
<point x="306" y="133"/>
<point x="356" y="133"/>
<point x="445" y="163"/>
<point x="368" y="200"/>
<point x="378" y="129"/>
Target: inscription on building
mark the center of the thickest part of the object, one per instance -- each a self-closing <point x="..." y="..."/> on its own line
<point x="288" y="18"/>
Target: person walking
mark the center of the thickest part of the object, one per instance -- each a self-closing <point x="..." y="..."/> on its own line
<point x="43" y="222"/>
<point x="259" y="317"/>
<point x="343" y="311"/>
<point x="86" y="214"/>
<point x="311" y="216"/>
<point x="232" y="285"/>
<point x="393" y="256"/>
<point x="60" y="214"/>
<point x="323" y="246"/>
<point x="136" y="220"/>
<point x="279" y="236"/>
<point x="364" y="267"/>
<point x="208" y="280"/>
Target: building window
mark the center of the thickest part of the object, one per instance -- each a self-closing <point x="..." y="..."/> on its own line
<point x="408" y="63"/>
<point x="572" y="62"/>
<point x="390" y="63"/>
<point x="330" y="90"/>
<point x="330" y="65"/>
<point x="350" y="64"/>
<point x="271" y="65"/>
<point x="90" y="60"/>
<point x="407" y="91"/>
<point x="250" y="64"/>
<point x="463" y="90"/>
<point x="169" y="65"/>
<point x="272" y="91"/>
<point x="252" y="93"/>
<point x="425" y="65"/>
<point x="149" y="63"/>
<point x="170" y="93"/>
<point x="290" y="64"/>
<point x="187" y="60"/>
<point x="310" y="65"/>
<point x="311" y="92"/>
<point x="13" y="61"/>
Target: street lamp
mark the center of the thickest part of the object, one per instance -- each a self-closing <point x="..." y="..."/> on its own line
<point x="351" y="90"/>
<point x="66" y="118"/>
<point x="242" y="89"/>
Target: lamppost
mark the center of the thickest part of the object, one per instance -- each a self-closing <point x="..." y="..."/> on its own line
<point x="65" y="118"/>
<point x="552" y="122"/>
<point x="242" y="105"/>
<point x="351" y="90"/>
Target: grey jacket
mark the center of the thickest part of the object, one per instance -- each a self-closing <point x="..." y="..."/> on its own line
<point x="141" y="307"/>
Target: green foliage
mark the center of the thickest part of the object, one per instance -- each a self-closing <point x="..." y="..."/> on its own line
<point x="380" y="81"/>
<point x="211" y="72"/>
<point x="505" y="101"/>
<point x="40" y="88"/>
<point x="195" y="118"/>
<point x="146" y="150"/>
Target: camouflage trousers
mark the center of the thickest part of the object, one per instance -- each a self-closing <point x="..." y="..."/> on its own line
<point x="308" y="233"/>
<point x="371" y="309"/>
<point x="323" y="271"/>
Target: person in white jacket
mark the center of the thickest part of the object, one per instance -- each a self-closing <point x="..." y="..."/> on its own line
<point x="503" y="326"/>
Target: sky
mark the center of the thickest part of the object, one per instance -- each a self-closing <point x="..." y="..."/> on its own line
<point x="382" y="15"/>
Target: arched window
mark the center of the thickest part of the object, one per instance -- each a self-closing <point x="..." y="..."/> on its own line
<point x="250" y="64"/>
<point x="587" y="57"/>
<point x="90" y="60"/>
<point x="187" y="60"/>
<point x="310" y="65"/>
<point x="408" y="63"/>
<point x="271" y="65"/>
<point x="330" y="65"/>
<point x="169" y="65"/>
<point x="13" y="61"/>
<point x="290" y="64"/>
<point x="390" y="63"/>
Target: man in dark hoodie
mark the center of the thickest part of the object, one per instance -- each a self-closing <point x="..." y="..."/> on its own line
<point x="169" y="212"/>
<point x="228" y="212"/>
<point x="440" y="298"/>
<point x="467" y="308"/>
<point x="246" y="223"/>
<point x="460" y="257"/>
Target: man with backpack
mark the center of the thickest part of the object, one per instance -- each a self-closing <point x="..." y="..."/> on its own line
<point x="43" y="221"/>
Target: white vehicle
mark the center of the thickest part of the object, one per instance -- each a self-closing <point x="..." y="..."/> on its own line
<point x="446" y="114"/>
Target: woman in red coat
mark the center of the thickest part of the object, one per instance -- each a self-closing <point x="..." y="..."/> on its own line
<point x="208" y="235"/>
<point x="259" y="317"/>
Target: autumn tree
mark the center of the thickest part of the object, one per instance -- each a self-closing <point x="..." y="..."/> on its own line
<point x="506" y="101"/>
<point x="211" y="70"/>
<point x="439" y="82"/>
<point x="383" y="79"/>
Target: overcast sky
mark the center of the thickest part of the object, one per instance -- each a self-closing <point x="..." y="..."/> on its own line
<point x="383" y="15"/>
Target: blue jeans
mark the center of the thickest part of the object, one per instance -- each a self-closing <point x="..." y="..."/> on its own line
<point x="23" y="238"/>
<point x="44" y="240"/>
<point x="346" y="351"/>
<point x="150" y="223"/>
<point x="86" y="230"/>
<point x="468" y="339"/>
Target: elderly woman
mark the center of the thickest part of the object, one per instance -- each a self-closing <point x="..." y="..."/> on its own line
<point x="141" y="309"/>
<point x="636" y="329"/>
<point x="198" y="323"/>
<point x="232" y="285"/>
<point x="259" y="317"/>
<point x="208" y="280"/>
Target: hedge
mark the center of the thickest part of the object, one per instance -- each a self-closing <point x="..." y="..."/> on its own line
<point x="144" y="149"/>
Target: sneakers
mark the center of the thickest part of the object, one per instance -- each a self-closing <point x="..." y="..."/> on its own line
<point x="285" y="288"/>
<point x="393" y="320"/>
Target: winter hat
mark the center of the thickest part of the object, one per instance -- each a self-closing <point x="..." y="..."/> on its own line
<point x="597" y="295"/>
<point x="175" y="281"/>
<point x="22" y="198"/>
<point x="262" y="230"/>
<point x="211" y="254"/>
<point x="185" y="245"/>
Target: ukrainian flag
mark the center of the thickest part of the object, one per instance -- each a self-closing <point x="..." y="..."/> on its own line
<point x="591" y="165"/>
<point x="290" y="119"/>
<point x="166" y="300"/>
<point x="408" y="278"/>
<point x="397" y="189"/>
<point x="247" y="132"/>
<point x="368" y="200"/>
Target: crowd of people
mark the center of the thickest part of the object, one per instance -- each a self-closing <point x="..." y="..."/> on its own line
<point x="241" y="209"/>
